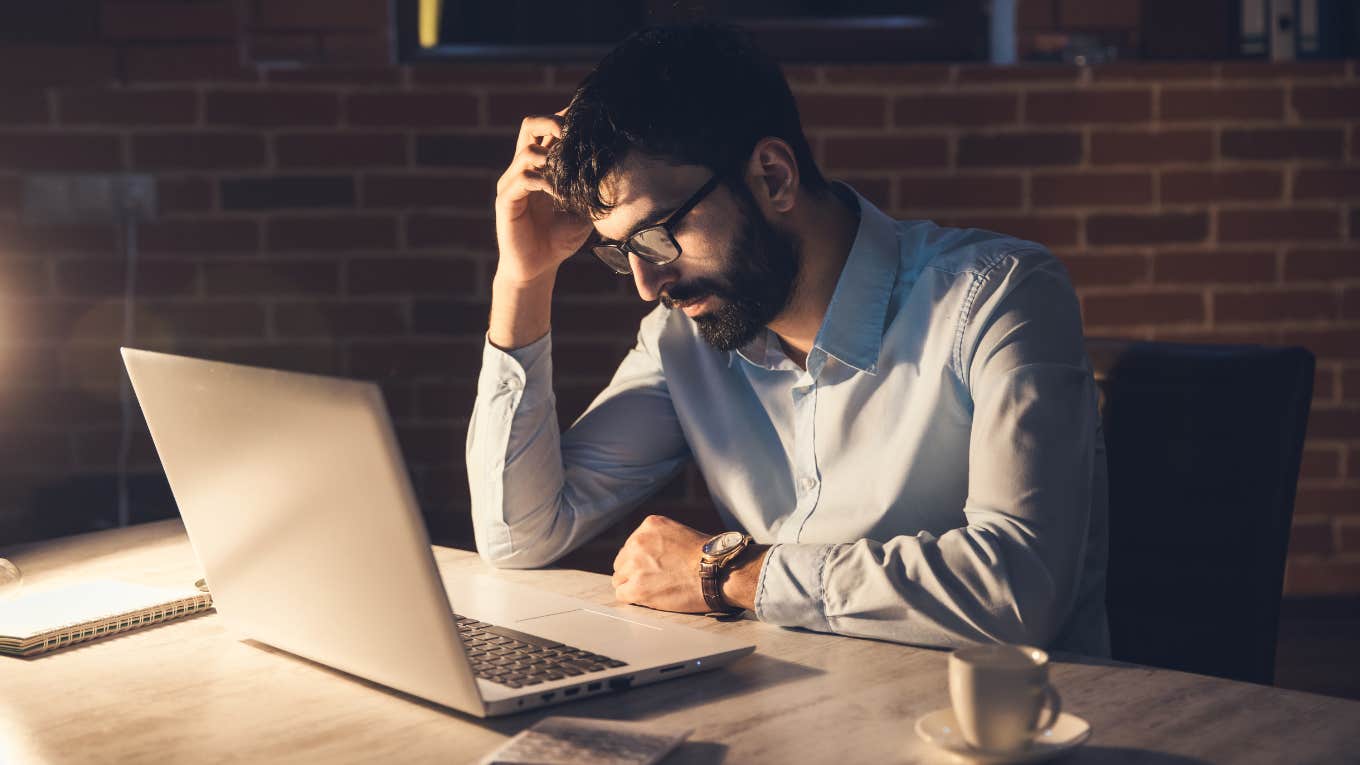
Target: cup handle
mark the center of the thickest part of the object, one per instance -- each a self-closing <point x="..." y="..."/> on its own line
<point x="1051" y="710"/>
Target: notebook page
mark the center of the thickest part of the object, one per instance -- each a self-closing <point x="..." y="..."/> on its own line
<point x="33" y="613"/>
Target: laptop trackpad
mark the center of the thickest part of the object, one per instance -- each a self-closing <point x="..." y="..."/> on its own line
<point x="596" y="631"/>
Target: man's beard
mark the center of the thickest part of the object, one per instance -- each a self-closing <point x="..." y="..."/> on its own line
<point x="755" y="286"/>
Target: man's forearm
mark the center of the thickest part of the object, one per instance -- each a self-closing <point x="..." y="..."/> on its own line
<point x="739" y="587"/>
<point x="521" y="312"/>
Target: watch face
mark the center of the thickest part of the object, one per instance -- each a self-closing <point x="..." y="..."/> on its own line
<point x="722" y="543"/>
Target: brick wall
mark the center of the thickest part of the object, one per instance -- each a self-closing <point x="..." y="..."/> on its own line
<point x="323" y="210"/>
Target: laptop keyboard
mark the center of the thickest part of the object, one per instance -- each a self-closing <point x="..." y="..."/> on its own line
<point x="518" y="659"/>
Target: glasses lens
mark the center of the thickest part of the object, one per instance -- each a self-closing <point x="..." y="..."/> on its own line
<point x="612" y="257"/>
<point x="654" y="245"/>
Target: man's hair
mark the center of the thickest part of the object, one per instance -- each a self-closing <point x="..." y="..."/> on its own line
<point x="693" y="94"/>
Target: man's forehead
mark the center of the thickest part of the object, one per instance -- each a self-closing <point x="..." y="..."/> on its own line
<point x="640" y="186"/>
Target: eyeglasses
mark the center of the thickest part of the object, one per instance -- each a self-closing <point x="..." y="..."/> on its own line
<point x="655" y="244"/>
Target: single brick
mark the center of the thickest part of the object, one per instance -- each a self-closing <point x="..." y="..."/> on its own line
<point x="1283" y="143"/>
<point x="277" y="277"/>
<point x="330" y="233"/>
<point x="60" y="152"/>
<point x="1183" y="104"/>
<point x="1201" y="186"/>
<point x="1139" y="148"/>
<point x="880" y="152"/>
<point x="435" y="109"/>
<point x="197" y="151"/>
<point x="1214" y="267"/>
<point x="281" y="192"/>
<point x="1267" y="304"/>
<point x="339" y="319"/>
<point x="127" y="107"/>
<point x="340" y="150"/>
<point x="206" y="61"/>
<point x="924" y="193"/>
<point x="423" y="190"/>
<point x="1061" y="107"/>
<point x="1143" y="308"/>
<point x="257" y="109"/>
<point x="1090" y="189"/>
<point x="1278" y="225"/>
<point x="1338" y="102"/>
<point x="411" y="276"/>
<point x="956" y="109"/>
<point x="473" y="151"/>
<point x="1151" y="228"/>
<point x="1019" y="150"/>
<point x="180" y="236"/>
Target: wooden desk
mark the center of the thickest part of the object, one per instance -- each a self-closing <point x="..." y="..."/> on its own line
<point x="190" y="692"/>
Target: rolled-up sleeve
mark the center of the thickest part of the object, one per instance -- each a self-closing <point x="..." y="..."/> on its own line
<point x="538" y="493"/>
<point x="1011" y="573"/>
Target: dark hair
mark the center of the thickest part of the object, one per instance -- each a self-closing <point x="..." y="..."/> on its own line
<point x="694" y="94"/>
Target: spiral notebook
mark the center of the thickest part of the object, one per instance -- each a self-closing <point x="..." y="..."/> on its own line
<point x="41" y="621"/>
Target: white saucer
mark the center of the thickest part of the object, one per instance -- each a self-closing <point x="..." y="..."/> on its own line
<point x="942" y="730"/>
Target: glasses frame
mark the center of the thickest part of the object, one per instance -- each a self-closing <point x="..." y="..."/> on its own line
<point x="666" y="226"/>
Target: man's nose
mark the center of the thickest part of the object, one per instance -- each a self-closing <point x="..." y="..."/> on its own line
<point x="651" y="279"/>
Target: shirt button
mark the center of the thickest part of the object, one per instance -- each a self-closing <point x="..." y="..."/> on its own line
<point x="806" y="484"/>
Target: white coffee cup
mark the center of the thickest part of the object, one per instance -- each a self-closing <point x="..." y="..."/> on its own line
<point x="1001" y="695"/>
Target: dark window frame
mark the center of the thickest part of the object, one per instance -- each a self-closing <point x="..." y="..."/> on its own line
<point x="959" y="33"/>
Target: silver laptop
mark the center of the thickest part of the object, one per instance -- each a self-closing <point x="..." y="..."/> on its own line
<point x="300" y="510"/>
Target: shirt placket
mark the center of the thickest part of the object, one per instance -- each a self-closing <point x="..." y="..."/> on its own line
<point x="807" y="481"/>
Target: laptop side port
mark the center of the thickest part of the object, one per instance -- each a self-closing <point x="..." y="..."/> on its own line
<point x="571" y="691"/>
<point x="593" y="687"/>
<point x="549" y="696"/>
<point x="664" y="670"/>
<point x="620" y="683"/>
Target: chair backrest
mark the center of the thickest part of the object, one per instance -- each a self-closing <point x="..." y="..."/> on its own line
<point x="1203" y="444"/>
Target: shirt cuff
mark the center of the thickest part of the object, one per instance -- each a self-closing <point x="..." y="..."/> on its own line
<point x="791" y="591"/>
<point x="527" y="369"/>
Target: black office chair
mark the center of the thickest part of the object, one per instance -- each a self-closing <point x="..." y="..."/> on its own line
<point x="1203" y="444"/>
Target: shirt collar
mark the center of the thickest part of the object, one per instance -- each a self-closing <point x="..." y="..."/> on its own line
<point x="852" y="330"/>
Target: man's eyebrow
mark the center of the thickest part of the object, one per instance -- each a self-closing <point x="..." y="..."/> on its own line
<point x="653" y="216"/>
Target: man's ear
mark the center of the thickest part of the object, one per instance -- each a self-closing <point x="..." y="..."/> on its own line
<point x="774" y="174"/>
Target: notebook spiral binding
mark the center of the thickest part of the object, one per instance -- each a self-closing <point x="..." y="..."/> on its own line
<point x="71" y="634"/>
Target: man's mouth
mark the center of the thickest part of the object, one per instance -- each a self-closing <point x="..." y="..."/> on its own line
<point x="692" y="307"/>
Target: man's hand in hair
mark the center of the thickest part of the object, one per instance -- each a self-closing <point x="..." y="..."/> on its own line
<point x="534" y="235"/>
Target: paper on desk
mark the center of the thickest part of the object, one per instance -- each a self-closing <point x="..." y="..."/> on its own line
<point x="35" y="612"/>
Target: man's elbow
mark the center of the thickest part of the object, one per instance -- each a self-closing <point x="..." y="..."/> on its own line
<point x="1035" y="618"/>
<point x="504" y="554"/>
<point x="526" y="544"/>
<point x="513" y="559"/>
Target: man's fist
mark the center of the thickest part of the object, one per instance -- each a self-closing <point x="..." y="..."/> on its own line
<point x="658" y="566"/>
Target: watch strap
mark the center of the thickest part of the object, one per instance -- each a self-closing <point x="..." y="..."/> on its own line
<point x="710" y="581"/>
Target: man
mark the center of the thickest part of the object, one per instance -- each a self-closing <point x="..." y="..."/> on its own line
<point x="901" y="416"/>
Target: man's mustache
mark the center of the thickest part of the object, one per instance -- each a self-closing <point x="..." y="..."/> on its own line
<point x="691" y="292"/>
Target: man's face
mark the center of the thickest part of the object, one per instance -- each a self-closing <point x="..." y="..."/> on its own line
<point x="736" y="271"/>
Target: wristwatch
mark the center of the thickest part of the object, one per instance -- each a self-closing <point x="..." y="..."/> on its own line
<point x="718" y="552"/>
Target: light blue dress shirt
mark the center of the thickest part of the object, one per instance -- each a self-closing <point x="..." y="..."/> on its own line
<point x="936" y="475"/>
